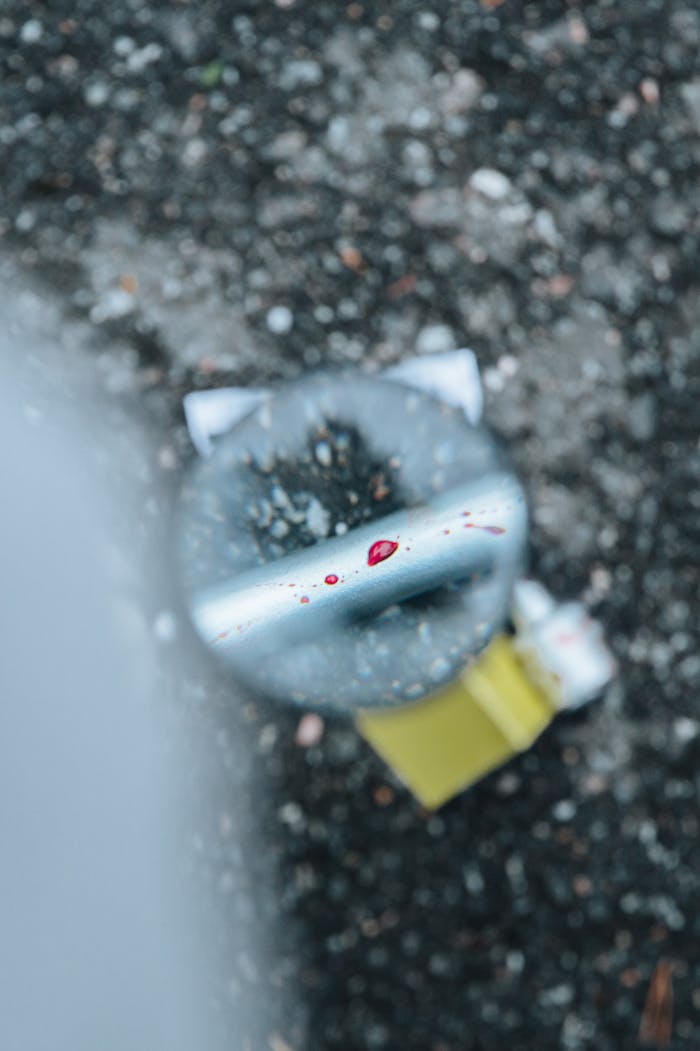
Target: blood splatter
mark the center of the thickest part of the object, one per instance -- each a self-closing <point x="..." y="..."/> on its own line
<point x="331" y="579"/>
<point x="496" y="530"/>
<point x="381" y="550"/>
<point x="304" y="599"/>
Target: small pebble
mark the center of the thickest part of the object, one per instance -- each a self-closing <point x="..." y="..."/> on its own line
<point x="323" y="454"/>
<point x="435" y="339"/>
<point x="31" y="31"/>
<point x="309" y="731"/>
<point x="685" y="729"/>
<point x="96" y="93"/>
<point x="317" y="519"/>
<point x="279" y="529"/>
<point x="491" y="183"/>
<point x="279" y="320"/>
<point x="564" y="810"/>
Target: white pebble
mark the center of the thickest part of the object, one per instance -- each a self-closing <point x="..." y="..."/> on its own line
<point x="114" y="304"/>
<point x="435" y="339"/>
<point x="96" y="94"/>
<point x="138" y="60"/>
<point x="490" y="183"/>
<point x="124" y="45"/>
<point x="439" y="668"/>
<point x="31" y="31"/>
<point x="194" y="153"/>
<point x="279" y="529"/>
<point x="508" y="365"/>
<point x="685" y="729"/>
<point x="300" y="73"/>
<point x="324" y="454"/>
<point x="317" y="519"/>
<point x="428" y="20"/>
<point x="25" y="220"/>
<point x="493" y="380"/>
<point x="291" y="814"/>
<point x="309" y="731"/>
<point x="279" y="320"/>
<point x="420" y="118"/>
<point x="564" y="810"/>
<point x="546" y="229"/>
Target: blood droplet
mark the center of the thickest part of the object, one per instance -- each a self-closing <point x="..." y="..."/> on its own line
<point x="381" y="550"/>
<point x="304" y="599"/>
<point x="496" y="530"/>
<point x="331" y="579"/>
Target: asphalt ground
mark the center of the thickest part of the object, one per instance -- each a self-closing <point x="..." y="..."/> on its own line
<point x="198" y="195"/>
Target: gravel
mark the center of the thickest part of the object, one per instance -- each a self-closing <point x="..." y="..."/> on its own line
<point x="194" y="198"/>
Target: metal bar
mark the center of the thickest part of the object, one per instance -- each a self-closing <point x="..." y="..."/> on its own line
<point x="462" y="531"/>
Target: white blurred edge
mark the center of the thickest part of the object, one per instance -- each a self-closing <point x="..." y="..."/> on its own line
<point x="453" y="377"/>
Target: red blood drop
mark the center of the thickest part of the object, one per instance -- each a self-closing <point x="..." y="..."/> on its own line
<point x="331" y="579"/>
<point x="304" y="598"/>
<point x="496" y="530"/>
<point x="380" y="550"/>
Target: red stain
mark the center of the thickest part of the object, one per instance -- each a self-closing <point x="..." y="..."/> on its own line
<point x="496" y="530"/>
<point x="446" y="532"/>
<point x="381" y="550"/>
<point x="331" y="579"/>
<point x="304" y="599"/>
